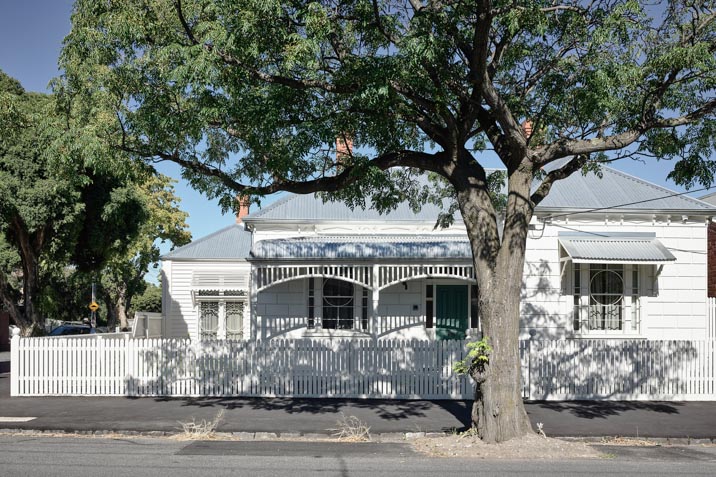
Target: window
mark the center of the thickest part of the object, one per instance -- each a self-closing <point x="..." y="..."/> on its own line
<point x="606" y="298"/>
<point x="221" y="314"/>
<point x="311" y="305"/>
<point x="338" y="300"/>
<point x="429" y="321"/>
<point x="234" y="320"/>
<point x="208" y="320"/>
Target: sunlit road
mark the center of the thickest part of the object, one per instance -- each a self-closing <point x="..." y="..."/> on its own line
<point x="35" y="456"/>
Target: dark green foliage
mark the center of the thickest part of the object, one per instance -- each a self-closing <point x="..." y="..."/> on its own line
<point x="150" y="300"/>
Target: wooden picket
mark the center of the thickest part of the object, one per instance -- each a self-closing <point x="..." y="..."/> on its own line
<point x="551" y="370"/>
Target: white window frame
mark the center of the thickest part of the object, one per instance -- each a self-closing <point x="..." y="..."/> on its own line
<point x="222" y="298"/>
<point x="632" y="304"/>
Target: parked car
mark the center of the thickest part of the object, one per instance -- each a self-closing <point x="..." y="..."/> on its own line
<point x="68" y="329"/>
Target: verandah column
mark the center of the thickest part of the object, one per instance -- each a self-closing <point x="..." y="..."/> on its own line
<point x="253" y="302"/>
<point x="375" y="298"/>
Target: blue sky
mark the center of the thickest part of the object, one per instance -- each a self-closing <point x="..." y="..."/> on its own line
<point x="31" y="33"/>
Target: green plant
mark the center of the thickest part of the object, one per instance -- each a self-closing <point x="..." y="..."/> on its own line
<point x="478" y="355"/>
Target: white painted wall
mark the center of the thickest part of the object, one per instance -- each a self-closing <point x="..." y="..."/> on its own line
<point x="677" y="311"/>
<point x="180" y="313"/>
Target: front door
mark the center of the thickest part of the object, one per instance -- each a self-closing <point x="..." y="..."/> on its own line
<point x="451" y="312"/>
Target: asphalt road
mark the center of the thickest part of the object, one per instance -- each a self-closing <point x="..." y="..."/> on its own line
<point x="21" y="456"/>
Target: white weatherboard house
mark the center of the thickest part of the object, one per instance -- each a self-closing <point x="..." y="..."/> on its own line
<point x="615" y="257"/>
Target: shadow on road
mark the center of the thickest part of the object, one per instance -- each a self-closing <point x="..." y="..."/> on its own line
<point x="605" y="409"/>
<point x="385" y="409"/>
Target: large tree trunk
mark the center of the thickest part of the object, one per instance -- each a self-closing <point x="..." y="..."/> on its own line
<point x="34" y="320"/>
<point x="111" y="309"/>
<point x="498" y="412"/>
<point x="122" y="307"/>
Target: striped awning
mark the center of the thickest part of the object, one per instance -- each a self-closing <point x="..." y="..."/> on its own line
<point x="599" y="247"/>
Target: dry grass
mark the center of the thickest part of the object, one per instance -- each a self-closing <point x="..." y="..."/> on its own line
<point x="200" y="430"/>
<point x="351" y="429"/>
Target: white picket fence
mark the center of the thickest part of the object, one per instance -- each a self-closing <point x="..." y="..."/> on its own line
<point x="711" y="320"/>
<point x="551" y="370"/>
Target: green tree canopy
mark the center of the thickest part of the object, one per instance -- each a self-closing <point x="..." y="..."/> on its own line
<point x="249" y="96"/>
<point x="55" y="210"/>
<point x="123" y="277"/>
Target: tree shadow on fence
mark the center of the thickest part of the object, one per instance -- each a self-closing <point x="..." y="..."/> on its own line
<point x="617" y="370"/>
<point x="284" y="374"/>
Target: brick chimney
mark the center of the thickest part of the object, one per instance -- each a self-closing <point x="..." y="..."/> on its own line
<point x="344" y="146"/>
<point x="527" y="128"/>
<point x="244" y="206"/>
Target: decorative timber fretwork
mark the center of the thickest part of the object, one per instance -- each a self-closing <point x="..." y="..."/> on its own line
<point x="391" y="274"/>
<point x="373" y="277"/>
<point x="269" y="275"/>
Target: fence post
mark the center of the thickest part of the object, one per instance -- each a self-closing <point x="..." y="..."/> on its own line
<point x="15" y="362"/>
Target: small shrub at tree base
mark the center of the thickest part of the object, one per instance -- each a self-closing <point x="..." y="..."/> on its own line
<point x="478" y="356"/>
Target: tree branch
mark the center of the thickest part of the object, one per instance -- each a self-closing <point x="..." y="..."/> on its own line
<point x="436" y="162"/>
<point x="563" y="172"/>
<point x="559" y="149"/>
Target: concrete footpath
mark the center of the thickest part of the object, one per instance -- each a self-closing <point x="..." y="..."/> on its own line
<point x="681" y="420"/>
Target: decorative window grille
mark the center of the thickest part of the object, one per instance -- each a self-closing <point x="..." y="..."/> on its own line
<point x="234" y="320"/>
<point x="221" y="313"/>
<point x="208" y="319"/>
<point x="606" y="298"/>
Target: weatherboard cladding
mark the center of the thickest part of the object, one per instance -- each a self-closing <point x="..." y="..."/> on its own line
<point x="421" y="247"/>
<point x="233" y="242"/>
<point x="616" y="248"/>
<point x="578" y="191"/>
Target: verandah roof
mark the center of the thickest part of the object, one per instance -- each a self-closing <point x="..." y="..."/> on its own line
<point x="423" y="247"/>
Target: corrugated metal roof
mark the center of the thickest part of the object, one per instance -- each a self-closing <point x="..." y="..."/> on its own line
<point x="615" y="248"/>
<point x="233" y="242"/>
<point x="575" y="192"/>
<point x="616" y="188"/>
<point x="423" y="247"/>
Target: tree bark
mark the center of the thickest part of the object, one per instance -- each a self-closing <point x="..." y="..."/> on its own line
<point x="498" y="413"/>
<point x="122" y="307"/>
<point x="111" y="310"/>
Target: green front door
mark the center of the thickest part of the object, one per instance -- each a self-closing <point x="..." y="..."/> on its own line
<point x="451" y="311"/>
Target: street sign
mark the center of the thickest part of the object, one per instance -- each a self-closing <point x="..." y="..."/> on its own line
<point x="94" y="306"/>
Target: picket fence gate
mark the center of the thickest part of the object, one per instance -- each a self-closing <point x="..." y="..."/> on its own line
<point x="551" y="370"/>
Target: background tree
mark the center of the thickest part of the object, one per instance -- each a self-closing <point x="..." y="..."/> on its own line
<point x="54" y="209"/>
<point x="124" y="276"/>
<point x="250" y="95"/>
<point x="150" y="300"/>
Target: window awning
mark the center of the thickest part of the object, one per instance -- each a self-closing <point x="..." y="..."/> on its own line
<point x="600" y="247"/>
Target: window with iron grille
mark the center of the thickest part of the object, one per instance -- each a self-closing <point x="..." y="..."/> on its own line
<point x="208" y="319"/>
